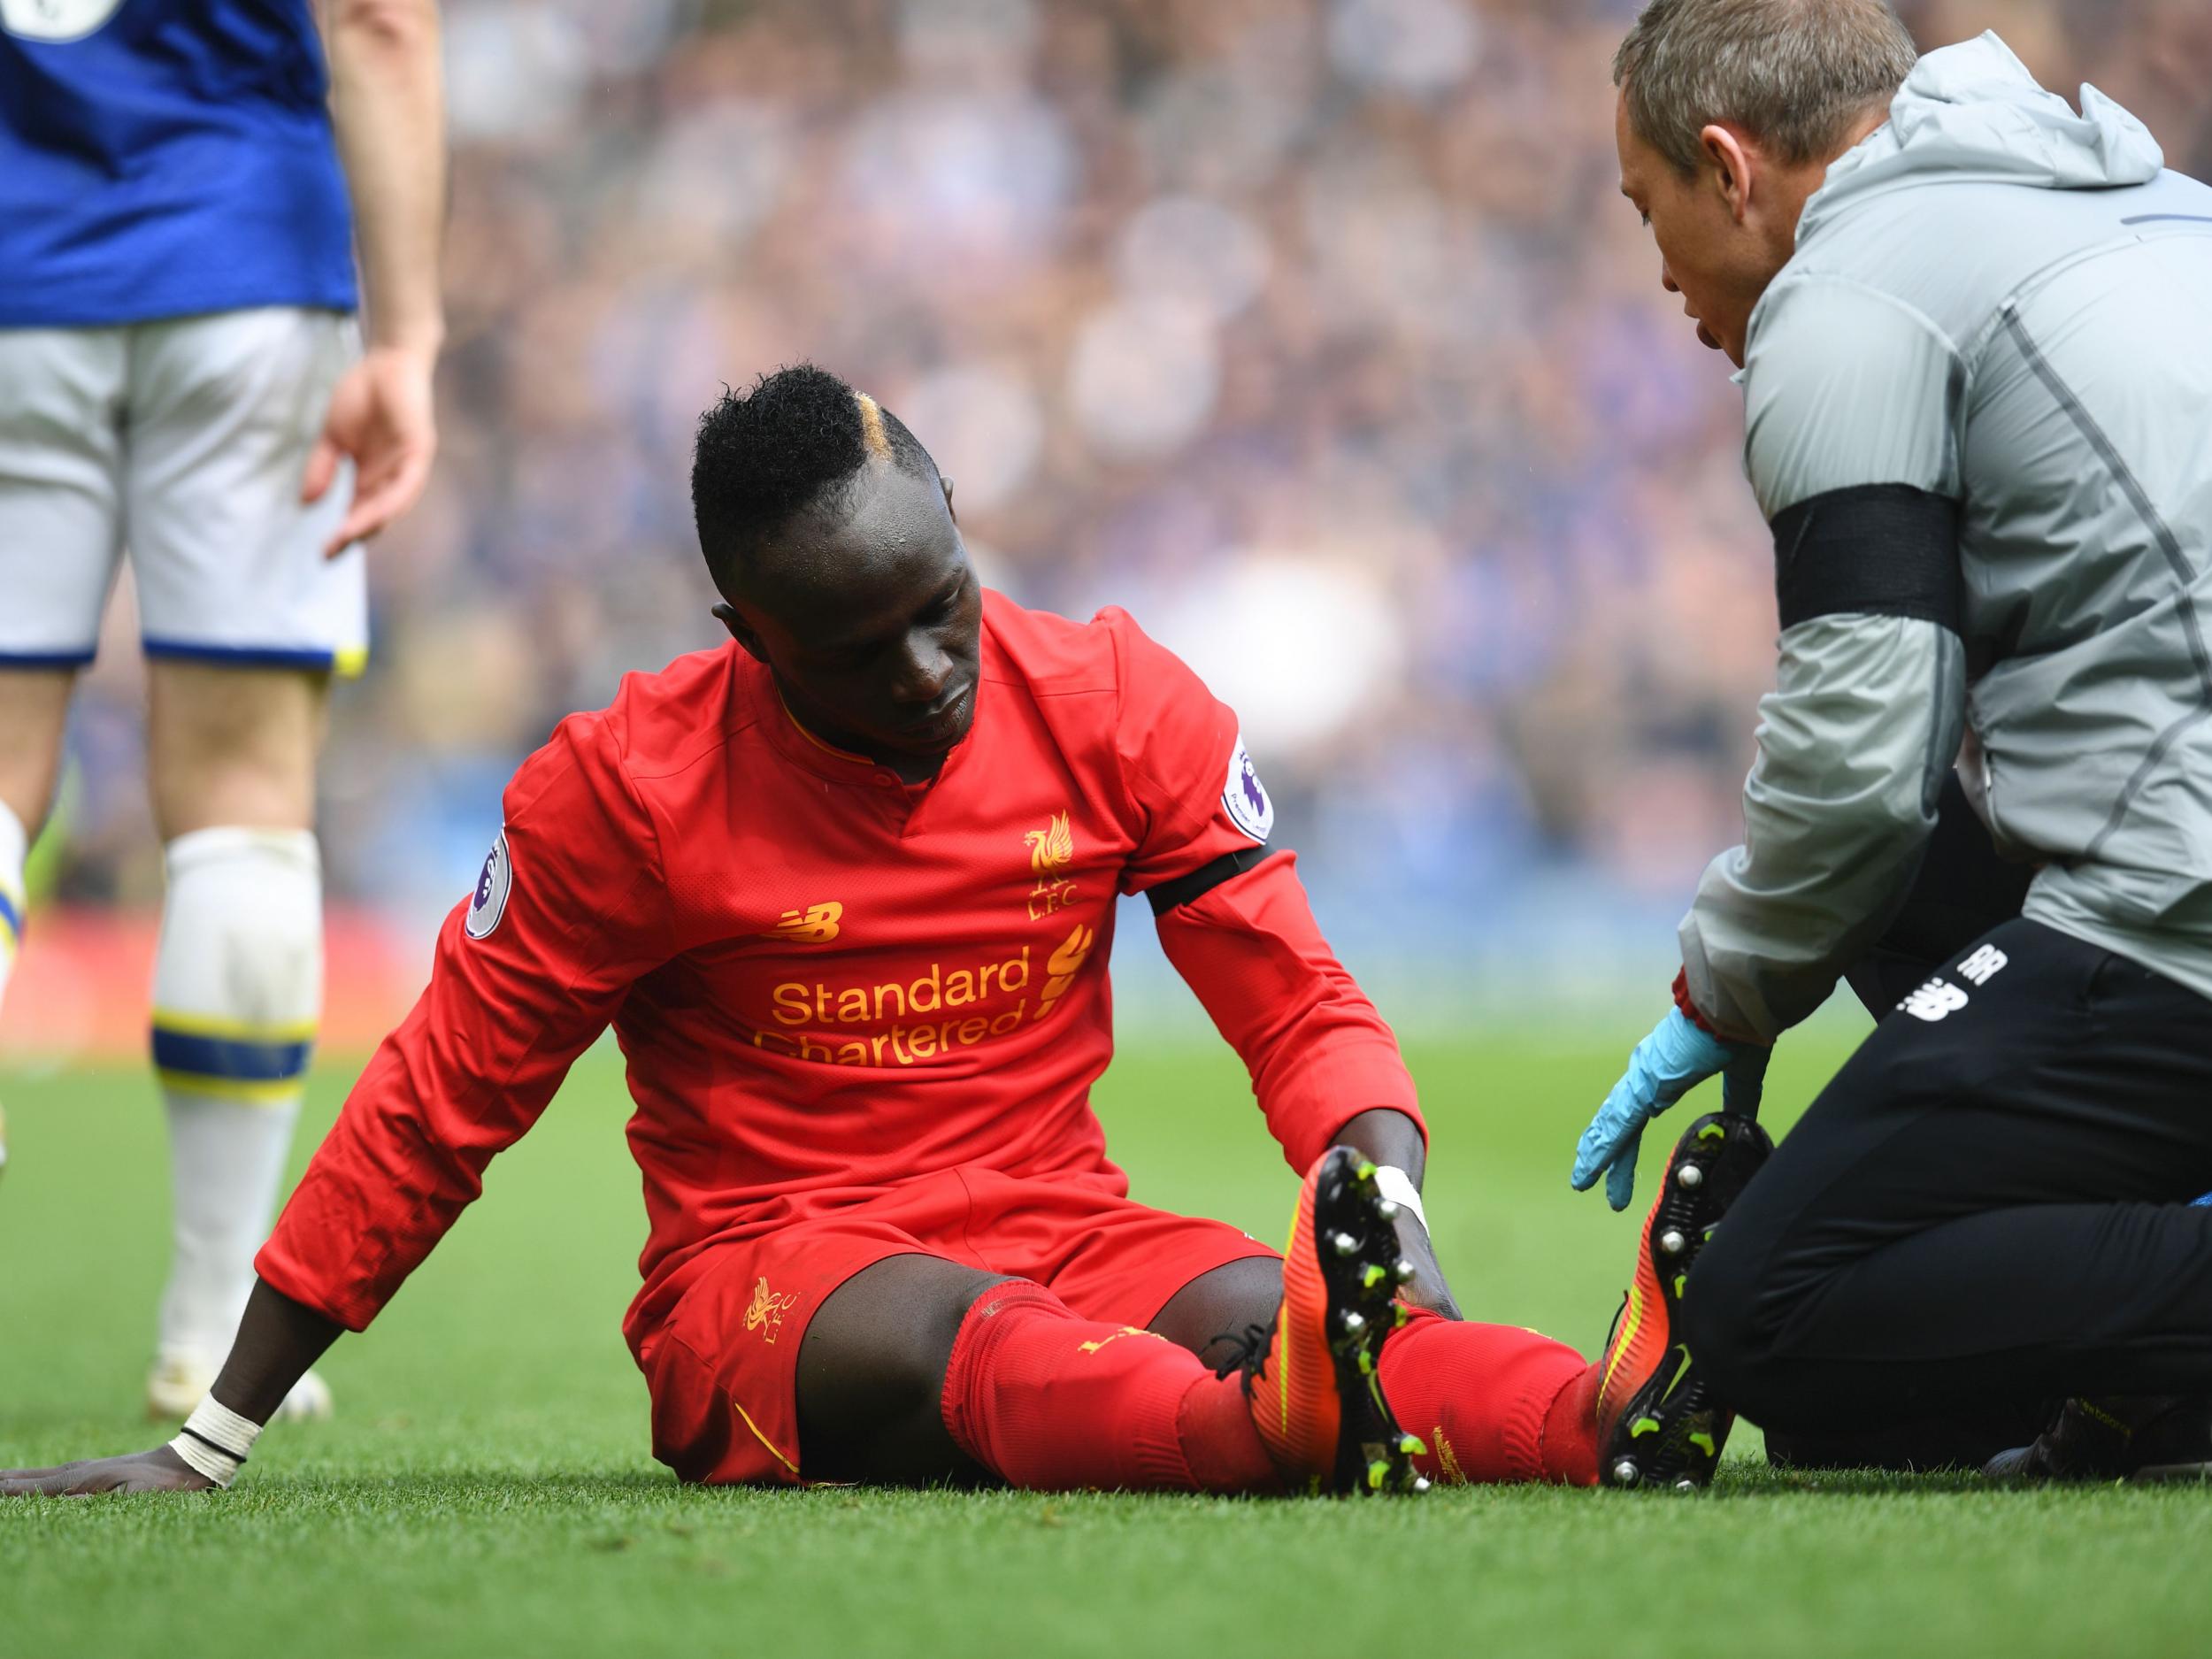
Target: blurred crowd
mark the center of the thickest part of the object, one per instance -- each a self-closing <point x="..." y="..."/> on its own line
<point x="1314" y="331"/>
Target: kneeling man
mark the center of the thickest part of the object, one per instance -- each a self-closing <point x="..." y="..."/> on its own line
<point x="1977" y="359"/>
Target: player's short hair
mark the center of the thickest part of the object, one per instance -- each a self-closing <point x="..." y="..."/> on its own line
<point x="795" y="442"/>
<point x="1793" y="73"/>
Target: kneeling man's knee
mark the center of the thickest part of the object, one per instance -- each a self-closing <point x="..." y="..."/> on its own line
<point x="1735" y="1348"/>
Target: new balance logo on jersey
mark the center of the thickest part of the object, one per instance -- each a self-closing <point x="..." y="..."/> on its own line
<point x="1984" y="966"/>
<point x="817" y="925"/>
<point x="1935" y="999"/>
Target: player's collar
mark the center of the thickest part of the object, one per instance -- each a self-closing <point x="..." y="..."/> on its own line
<point x="796" y="744"/>
<point x="845" y="755"/>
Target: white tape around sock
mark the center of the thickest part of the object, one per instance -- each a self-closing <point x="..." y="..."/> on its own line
<point x="1395" y="1185"/>
<point x="215" y="1441"/>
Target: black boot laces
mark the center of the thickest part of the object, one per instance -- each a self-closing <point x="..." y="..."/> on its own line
<point x="1247" y="1352"/>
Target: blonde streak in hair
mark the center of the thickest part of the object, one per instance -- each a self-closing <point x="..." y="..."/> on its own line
<point x="871" y="432"/>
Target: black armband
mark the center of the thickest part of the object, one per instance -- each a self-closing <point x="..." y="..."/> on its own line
<point x="1870" y="550"/>
<point x="1205" y="879"/>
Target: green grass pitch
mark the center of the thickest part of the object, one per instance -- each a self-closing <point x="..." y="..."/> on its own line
<point x="487" y="1488"/>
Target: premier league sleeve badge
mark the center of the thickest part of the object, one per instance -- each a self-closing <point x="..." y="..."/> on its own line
<point x="488" y="903"/>
<point x="1245" y="799"/>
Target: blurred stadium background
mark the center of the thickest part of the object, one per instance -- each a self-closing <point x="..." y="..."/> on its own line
<point x="1311" y="331"/>
<point x="1314" y="333"/>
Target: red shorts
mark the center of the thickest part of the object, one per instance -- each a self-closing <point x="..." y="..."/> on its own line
<point x="722" y="1367"/>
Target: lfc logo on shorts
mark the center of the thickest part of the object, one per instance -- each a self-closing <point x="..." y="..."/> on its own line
<point x="1051" y="850"/>
<point x="767" y="1311"/>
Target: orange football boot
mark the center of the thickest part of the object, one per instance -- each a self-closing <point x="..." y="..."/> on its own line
<point x="1311" y="1378"/>
<point x="1658" y="1424"/>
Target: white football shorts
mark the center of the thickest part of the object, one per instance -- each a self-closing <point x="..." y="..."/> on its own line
<point x="184" y="441"/>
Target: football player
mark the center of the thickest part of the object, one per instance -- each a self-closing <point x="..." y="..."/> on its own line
<point x="845" y="890"/>
<point x="180" y="375"/>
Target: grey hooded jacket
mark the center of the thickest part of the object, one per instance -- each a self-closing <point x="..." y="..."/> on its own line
<point x="2004" y="304"/>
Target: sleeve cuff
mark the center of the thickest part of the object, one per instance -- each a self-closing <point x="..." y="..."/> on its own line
<point x="1689" y="1009"/>
<point x="1307" y="1111"/>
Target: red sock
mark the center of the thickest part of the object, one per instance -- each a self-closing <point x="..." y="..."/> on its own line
<point x="1052" y="1402"/>
<point x="1494" y="1402"/>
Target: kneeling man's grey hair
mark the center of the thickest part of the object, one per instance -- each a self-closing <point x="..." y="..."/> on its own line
<point x="1793" y="73"/>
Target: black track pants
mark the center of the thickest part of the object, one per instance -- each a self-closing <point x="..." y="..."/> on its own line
<point x="1990" y="1204"/>
<point x="1962" y="890"/>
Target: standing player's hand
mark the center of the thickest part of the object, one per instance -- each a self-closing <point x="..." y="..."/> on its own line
<point x="383" y="419"/>
<point x="160" y="1469"/>
<point x="1666" y="1065"/>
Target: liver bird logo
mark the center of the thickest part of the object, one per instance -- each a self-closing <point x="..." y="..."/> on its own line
<point x="1052" y="849"/>
<point x="766" y="1313"/>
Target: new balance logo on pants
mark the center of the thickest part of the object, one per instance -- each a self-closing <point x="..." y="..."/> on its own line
<point x="1933" y="1001"/>
<point x="1940" y="997"/>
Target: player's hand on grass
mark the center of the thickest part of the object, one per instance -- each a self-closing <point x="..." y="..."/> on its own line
<point x="1666" y="1065"/>
<point x="383" y="419"/>
<point x="160" y="1469"/>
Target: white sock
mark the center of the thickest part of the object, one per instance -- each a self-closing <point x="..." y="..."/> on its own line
<point x="15" y="845"/>
<point x="238" y="986"/>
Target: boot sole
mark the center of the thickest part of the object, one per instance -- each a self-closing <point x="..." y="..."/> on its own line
<point x="1672" y="1430"/>
<point x="1373" y="1454"/>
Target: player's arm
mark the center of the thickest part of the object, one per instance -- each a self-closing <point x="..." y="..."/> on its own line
<point x="278" y="1340"/>
<point x="1853" y="403"/>
<point x="1235" y="922"/>
<point x="569" y="913"/>
<point x="1326" y="1069"/>
<point x="388" y="105"/>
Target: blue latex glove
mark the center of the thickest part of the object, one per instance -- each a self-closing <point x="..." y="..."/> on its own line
<point x="1665" y="1066"/>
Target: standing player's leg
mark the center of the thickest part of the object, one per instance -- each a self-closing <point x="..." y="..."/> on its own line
<point x="244" y="622"/>
<point x="237" y="986"/>
<point x="60" y="449"/>
<point x="34" y="708"/>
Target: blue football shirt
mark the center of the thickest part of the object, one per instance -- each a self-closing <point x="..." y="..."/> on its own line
<point x="165" y="158"/>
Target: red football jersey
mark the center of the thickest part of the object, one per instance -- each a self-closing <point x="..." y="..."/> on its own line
<point x="824" y="979"/>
